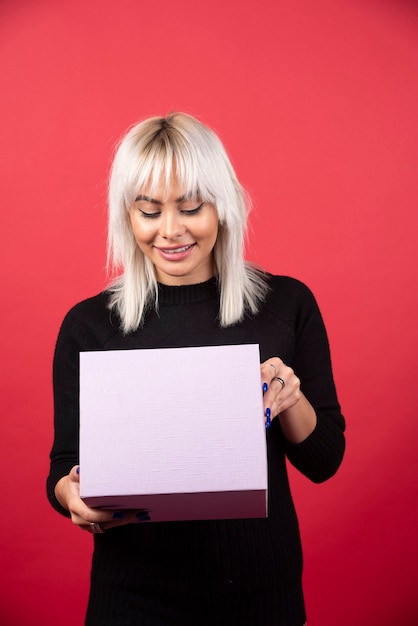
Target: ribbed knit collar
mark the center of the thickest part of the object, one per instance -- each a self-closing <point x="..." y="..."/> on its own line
<point x="183" y="294"/>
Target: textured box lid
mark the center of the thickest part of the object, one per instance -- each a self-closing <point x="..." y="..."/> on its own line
<point x="179" y="431"/>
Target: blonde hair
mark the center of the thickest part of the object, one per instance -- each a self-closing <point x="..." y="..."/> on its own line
<point x="147" y="154"/>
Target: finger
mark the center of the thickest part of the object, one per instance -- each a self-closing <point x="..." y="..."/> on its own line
<point x="75" y="474"/>
<point x="279" y="380"/>
<point x="269" y="369"/>
<point x="81" y="514"/>
<point x="283" y="391"/>
<point x="87" y="515"/>
<point x="285" y="396"/>
<point x="119" y="518"/>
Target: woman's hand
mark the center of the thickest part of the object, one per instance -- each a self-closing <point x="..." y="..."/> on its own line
<point x="284" y="399"/>
<point x="283" y="386"/>
<point x="67" y="492"/>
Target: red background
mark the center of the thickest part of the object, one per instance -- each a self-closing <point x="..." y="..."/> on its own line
<point x="317" y="104"/>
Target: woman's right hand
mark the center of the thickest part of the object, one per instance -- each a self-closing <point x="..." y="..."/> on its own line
<point x="67" y="492"/>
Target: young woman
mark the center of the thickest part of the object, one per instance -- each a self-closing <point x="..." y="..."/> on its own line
<point x="177" y="220"/>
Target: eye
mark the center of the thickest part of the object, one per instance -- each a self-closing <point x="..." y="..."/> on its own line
<point x="192" y="211"/>
<point x="148" y="209"/>
<point x="149" y="214"/>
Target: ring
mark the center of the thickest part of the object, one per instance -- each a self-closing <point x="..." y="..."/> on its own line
<point x="96" y="528"/>
<point x="281" y="381"/>
<point x="274" y="367"/>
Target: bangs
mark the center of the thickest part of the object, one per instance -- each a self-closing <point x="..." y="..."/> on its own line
<point x="165" y="157"/>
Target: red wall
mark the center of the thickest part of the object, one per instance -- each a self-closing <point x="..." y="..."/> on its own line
<point x="317" y="104"/>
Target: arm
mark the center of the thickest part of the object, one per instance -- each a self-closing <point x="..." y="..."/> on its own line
<point x="64" y="453"/>
<point x="307" y="414"/>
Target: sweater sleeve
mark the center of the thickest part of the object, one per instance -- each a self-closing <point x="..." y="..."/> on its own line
<point x="64" y="453"/>
<point x="319" y="456"/>
<point x="85" y="327"/>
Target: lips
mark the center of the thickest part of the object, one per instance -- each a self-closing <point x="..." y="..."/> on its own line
<point x="176" y="254"/>
<point x="176" y="250"/>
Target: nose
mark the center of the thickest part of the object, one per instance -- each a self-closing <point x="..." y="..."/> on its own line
<point x="171" y="225"/>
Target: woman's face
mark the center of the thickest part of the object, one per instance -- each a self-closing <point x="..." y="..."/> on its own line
<point x="177" y="235"/>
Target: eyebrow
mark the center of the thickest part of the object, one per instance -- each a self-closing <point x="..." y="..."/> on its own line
<point x="154" y="201"/>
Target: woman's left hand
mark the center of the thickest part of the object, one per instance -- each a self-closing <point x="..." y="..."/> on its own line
<point x="281" y="387"/>
<point x="284" y="399"/>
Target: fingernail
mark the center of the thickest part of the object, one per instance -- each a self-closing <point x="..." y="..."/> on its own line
<point x="265" y="387"/>
<point x="118" y="515"/>
<point x="268" y="418"/>
<point x="77" y="470"/>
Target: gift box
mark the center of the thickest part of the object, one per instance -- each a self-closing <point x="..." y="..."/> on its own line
<point x="176" y="431"/>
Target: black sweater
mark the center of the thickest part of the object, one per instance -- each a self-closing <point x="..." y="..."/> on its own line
<point x="235" y="572"/>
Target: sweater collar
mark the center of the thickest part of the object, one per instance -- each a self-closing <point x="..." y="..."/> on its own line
<point x="183" y="294"/>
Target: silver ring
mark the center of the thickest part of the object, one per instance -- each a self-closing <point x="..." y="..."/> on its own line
<point x="96" y="528"/>
<point x="281" y="381"/>
<point x="274" y="367"/>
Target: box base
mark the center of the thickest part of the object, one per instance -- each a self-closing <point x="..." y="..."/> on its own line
<point x="188" y="506"/>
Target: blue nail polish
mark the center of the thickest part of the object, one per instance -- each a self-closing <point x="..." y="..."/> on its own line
<point x="77" y="470"/>
<point x="268" y="418"/>
<point x="118" y="515"/>
<point x="265" y="387"/>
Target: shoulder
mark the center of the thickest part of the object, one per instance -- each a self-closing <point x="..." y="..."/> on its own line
<point x="286" y="289"/>
<point x="90" y="321"/>
<point x="91" y="308"/>
<point x="291" y="301"/>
